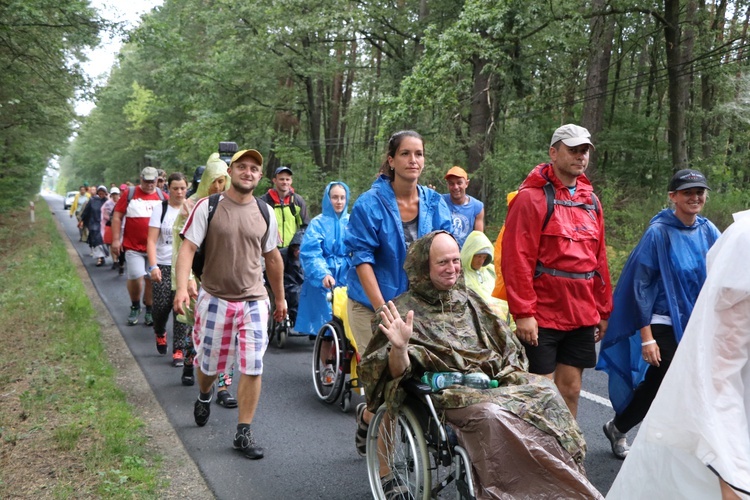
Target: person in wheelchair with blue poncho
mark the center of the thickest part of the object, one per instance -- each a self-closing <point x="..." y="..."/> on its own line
<point x="325" y="262"/>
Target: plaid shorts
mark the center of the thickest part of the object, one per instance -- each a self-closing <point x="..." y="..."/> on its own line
<point x="227" y="331"/>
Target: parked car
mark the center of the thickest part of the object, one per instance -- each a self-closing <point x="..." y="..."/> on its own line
<point x="69" y="199"/>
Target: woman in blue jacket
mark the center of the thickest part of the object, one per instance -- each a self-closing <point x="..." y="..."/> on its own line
<point x="324" y="260"/>
<point x="384" y="221"/>
<point x="653" y="301"/>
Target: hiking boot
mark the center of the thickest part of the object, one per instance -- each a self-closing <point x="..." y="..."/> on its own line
<point x="394" y="487"/>
<point x="617" y="439"/>
<point x="360" y="439"/>
<point x="161" y="342"/>
<point x="135" y="311"/>
<point x="202" y="411"/>
<point x="178" y="359"/>
<point x="328" y="376"/>
<point x="245" y="443"/>
<point x="148" y="319"/>
<point x="223" y="398"/>
<point x="188" y="377"/>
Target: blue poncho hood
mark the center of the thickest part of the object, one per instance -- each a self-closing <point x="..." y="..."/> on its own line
<point x="663" y="274"/>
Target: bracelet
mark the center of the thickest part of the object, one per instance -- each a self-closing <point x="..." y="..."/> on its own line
<point x="648" y="342"/>
<point x="151" y="268"/>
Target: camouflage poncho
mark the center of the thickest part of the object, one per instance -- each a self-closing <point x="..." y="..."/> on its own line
<point x="455" y="330"/>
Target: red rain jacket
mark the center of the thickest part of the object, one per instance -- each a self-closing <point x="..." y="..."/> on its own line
<point x="572" y="241"/>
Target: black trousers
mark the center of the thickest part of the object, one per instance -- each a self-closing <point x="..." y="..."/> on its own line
<point x="646" y="391"/>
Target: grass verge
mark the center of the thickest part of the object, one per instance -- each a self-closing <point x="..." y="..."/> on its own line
<point x="66" y="430"/>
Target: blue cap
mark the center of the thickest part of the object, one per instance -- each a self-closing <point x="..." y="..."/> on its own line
<point x="282" y="169"/>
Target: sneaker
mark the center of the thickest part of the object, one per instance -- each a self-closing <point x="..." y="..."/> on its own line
<point x="394" y="488"/>
<point x="360" y="439"/>
<point x="161" y="343"/>
<point x="328" y="376"/>
<point x="148" y="319"/>
<point x="245" y="442"/>
<point x="135" y="311"/>
<point x="178" y="359"/>
<point x="188" y="377"/>
<point x="202" y="411"/>
<point x="223" y="398"/>
<point x="617" y="439"/>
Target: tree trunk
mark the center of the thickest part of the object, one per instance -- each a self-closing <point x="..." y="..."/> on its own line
<point x="597" y="79"/>
<point x="480" y="121"/>
<point x="332" y="129"/>
<point x="679" y="51"/>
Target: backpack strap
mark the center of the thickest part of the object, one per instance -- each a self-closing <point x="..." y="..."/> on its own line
<point x="213" y="201"/>
<point x="164" y="205"/>
<point x="549" y="195"/>
<point x="263" y="207"/>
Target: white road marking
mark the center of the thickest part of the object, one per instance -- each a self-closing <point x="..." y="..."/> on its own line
<point x="596" y="399"/>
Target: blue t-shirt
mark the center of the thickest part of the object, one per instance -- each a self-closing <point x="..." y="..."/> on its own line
<point x="463" y="216"/>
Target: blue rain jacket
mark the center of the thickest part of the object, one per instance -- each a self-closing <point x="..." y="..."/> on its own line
<point x="663" y="275"/>
<point x="322" y="253"/>
<point x="375" y="236"/>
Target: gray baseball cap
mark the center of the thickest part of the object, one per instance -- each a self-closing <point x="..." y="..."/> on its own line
<point x="571" y="135"/>
<point x="149" y="174"/>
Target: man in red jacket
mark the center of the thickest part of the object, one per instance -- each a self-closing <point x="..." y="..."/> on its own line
<point x="554" y="262"/>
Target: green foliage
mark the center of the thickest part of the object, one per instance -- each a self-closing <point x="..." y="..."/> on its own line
<point x="40" y="46"/>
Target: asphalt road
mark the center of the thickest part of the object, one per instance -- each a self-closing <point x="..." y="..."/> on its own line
<point x="309" y="445"/>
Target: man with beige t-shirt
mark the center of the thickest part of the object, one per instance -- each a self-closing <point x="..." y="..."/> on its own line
<point x="231" y="310"/>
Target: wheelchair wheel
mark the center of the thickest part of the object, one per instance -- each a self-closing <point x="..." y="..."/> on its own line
<point x="404" y="449"/>
<point x="282" y="332"/>
<point x="331" y="338"/>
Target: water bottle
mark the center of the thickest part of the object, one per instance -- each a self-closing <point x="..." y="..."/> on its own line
<point x="479" y="380"/>
<point x="441" y="380"/>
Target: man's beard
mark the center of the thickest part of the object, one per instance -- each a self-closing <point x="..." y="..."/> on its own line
<point x="242" y="189"/>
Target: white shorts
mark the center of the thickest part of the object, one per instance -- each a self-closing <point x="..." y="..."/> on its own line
<point x="137" y="263"/>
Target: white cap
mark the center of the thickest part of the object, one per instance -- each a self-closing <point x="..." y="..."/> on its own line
<point x="571" y="135"/>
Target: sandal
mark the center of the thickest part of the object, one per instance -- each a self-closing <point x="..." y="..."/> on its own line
<point x="394" y="488"/>
<point x="100" y="262"/>
<point x="223" y="398"/>
<point x="360" y="439"/>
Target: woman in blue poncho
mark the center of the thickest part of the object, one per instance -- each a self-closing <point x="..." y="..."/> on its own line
<point x="654" y="297"/>
<point x="325" y="262"/>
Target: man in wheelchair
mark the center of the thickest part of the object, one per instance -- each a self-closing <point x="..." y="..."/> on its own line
<point x="521" y="438"/>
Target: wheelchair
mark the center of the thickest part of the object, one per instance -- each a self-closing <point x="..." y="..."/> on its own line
<point x="279" y="332"/>
<point x="337" y="339"/>
<point x="419" y="449"/>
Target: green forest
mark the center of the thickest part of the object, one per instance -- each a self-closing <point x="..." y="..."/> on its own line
<point x="320" y="86"/>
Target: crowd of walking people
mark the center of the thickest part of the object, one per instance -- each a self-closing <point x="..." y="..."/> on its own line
<point x="421" y="280"/>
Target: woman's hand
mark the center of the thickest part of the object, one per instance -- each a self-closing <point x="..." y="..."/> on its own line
<point x="156" y="274"/>
<point x="328" y="281"/>
<point x="192" y="289"/>
<point x="394" y="327"/>
<point x="651" y="354"/>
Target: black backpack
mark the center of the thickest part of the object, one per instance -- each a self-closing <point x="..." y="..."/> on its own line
<point x="199" y="259"/>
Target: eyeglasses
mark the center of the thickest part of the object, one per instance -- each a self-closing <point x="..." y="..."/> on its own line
<point x="149" y="182"/>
